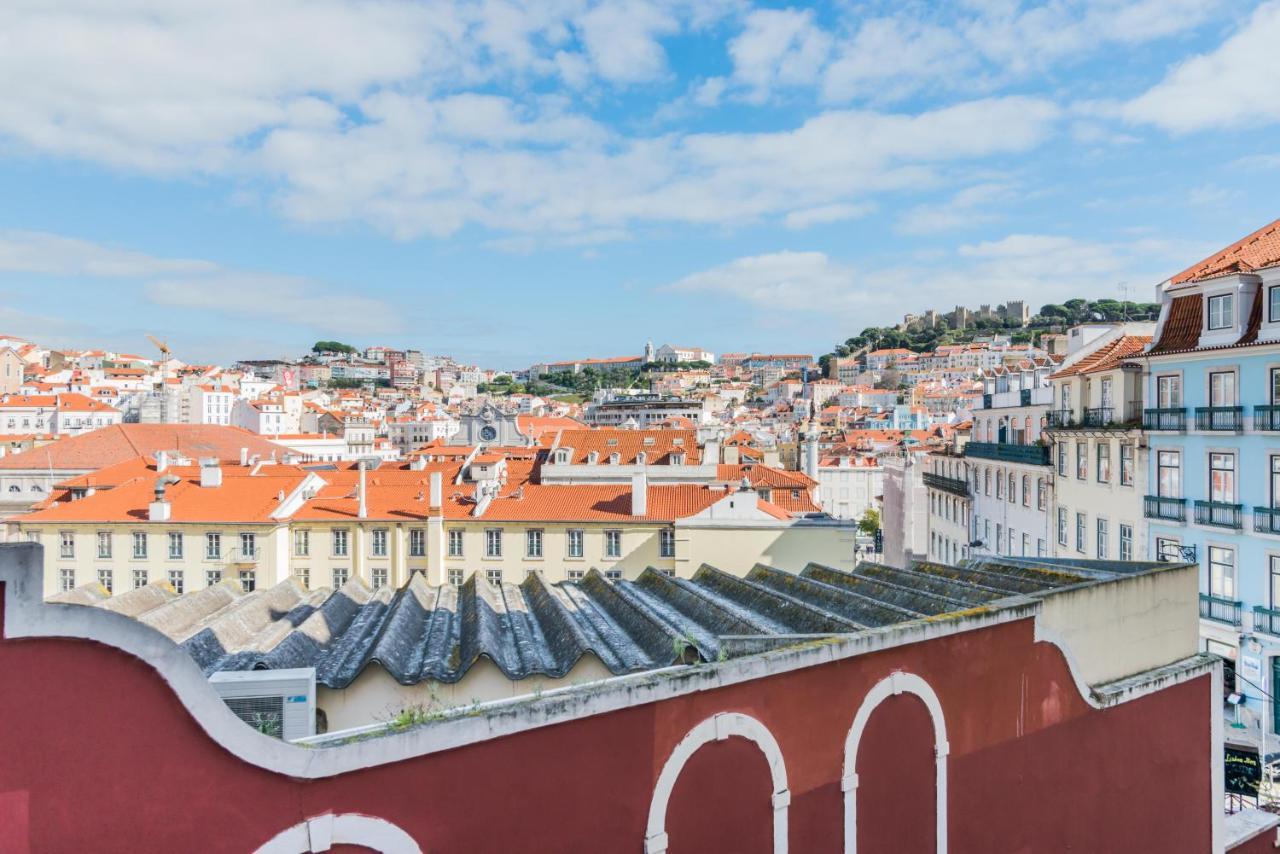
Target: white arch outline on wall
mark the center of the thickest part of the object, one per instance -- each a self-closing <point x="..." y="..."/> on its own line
<point x="895" y="683"/>
<point x="322" y="832"/>
<point x="717" y="728"/>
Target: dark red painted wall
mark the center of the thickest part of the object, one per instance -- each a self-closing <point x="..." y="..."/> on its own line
<point x="897" y="779"/>
<point x="723" y="794"/>
<point x="99" y="755"/>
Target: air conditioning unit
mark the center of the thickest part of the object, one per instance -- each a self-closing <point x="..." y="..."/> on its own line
<point x="278" y="703"/>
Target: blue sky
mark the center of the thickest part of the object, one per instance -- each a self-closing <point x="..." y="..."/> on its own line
<point x="510" y="182"/>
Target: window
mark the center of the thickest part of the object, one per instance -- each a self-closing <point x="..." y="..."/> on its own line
<point x="380" y="542"/>
<point x="1220" y="311"/>
<point x="613" y="574"/>
<point x="1222" y="388"/>
<point x="340" y="546"/>
<point x="1222" y="572"/>
<point x="212" y="545"/>
<point x="1026" y="490"/>
<point x="175" y="545"/>
<point x="177" y="580"/>
<point x="302" y="543"/>
<point x="379" y="577"/>
<point x="1126" y="464"/>
<point x="1062" y="526"/>
<point x="248" y="545"/>
<point x="1274" y="580"/>
<point x="1042" y="494"/>
<point x="1103" y="535"/>
<point x="340" y="576"/>
<point x="66" y="580"/>
<point x="1105" y="388"/>
<point x="1013" y="488"/>
<point x="212" y="577"/>
<point x="1082" y="460"/>
<point x="1222" y="478"/>
<point x="1168" y="474"/>
<point x="1126" y="542"/>
<point x="667" y="543"/>
<point x="417" y="542"/>
<point x="139" y="578"/>
<point x="613" y="543"/>
<point x="1062" y="458"/>
<point x="104" y="544"/>
<point x="303" y="574"/>
<point x="574" y="546"/>
<point x="999" y="538"/>
<point x="455" y="543"/>
<point x="1104" y="462"/>
<point x="533" y="542"/>
<point x="494" y="575"/>
<point x="999" y="485"/>
<point x="248" y="580"/>
<point x="986" y="477"/>
<point x="67" y="544"/>
<point x="455" y="577"/>
<point x="493" y="542"/>
<point x="139" y="544"/>
<point x="1273" y="304"/>
<point x="1169" y="392"/>
<point x="575" y="574"/>
<point x="107" y="579"/>
<point x="1080" y="528"/>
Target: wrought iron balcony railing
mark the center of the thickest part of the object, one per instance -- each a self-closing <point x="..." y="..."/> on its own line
<point x="1266" y="418"/>
<point x="1165" y="418"/>
<point x="1220" y="418"/>
<point x="1219" y="514"/>
<point x="1266" y="620"/>
<point x="1161" y="507"/>
<point x="1266" y="520"/>
<point x="954" y="485"/>
<point x="1099" y="416"/>
<point x="1036" y="455"/>
<point x="1220" y="609"/>
<point x="1061" y="418"/>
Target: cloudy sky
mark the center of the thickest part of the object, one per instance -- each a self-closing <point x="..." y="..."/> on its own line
<point x="507" y="181"/>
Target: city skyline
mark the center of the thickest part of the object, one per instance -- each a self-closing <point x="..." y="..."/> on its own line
<point x="508" y="186"/>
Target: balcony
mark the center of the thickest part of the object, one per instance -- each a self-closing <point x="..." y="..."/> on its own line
<point x="1266" y="520"/>
<point x="1220" y="610"/>
<point x="241" y="557"/>
<point x="1228" y="419"/>
<point x="1061" y="419"/>
<point x="1099" y="416"/>
<point x="1266" y="418"/>
<point x="1219" y="514"/>
<point x="954" y="485"/>
<point x="1266" y="620"/>
<point x="1169" y="509"/>
<point x="1035" y="455"/>
<point x="1173" y="419"/>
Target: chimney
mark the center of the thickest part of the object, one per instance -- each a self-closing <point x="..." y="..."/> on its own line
<point x="361" y="491"/>
<point x="162" y="461"/>
<point x="210" y="473"/>
<point x="640" y="493"/>
<point x="161" y="510"/>
<point x="417" y="464"/>
<point x="731" y="455"/>
<point x="437" y="490"/>
<point x="244" y="456"/>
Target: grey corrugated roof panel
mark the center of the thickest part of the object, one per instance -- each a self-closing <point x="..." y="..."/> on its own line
<point x="1012" y="580"/>
<point x="141" y="599"/>
<point x="855" y="607"/>
<point x="919" y="602"/>
<point x="789" y="614"/>
<point x="621" y="617"/>
<point x="1042" y="573"/>
<point x="970" y="593"/>
<point x="913" y="588"/>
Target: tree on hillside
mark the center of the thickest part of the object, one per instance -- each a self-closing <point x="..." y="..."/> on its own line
<point x="332" y="347"/>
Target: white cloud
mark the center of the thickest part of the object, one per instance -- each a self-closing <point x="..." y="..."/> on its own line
<point x="286" y="299"/>
<point x="775" y="280"/>
<point x="826" y="214"/>
<point x="963" y="210"/>
<point x="1233" y="85"/>
<point x="889" y="58"/>
<point x="778" y="48"/>
<point x="54" y="254"/>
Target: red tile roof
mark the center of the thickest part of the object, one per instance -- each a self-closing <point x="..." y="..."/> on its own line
<point x="1106" y="357"/>
<point x="1254" y="252"/>
<point x="119" y="442"/>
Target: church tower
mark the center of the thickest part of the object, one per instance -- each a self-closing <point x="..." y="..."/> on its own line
<point x="648" y="352"/>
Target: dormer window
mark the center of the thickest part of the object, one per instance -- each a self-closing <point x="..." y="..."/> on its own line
<point x="642" y="458"/>
<point x="1220" y="311"/>
<point x="614" y="458"/>
<point x="677" y="459"/>
<point x="1273" y="304"/>
<point x="562" y="456"/>
<point x="593" y="457"/>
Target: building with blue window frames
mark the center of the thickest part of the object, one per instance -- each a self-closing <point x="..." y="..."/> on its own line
<point x="1212" y="422"/>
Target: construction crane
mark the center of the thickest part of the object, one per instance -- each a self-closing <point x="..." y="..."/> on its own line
<point x="165" y="352"/>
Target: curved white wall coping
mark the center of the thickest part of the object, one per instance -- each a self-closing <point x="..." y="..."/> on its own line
<point x="322" y="832"/>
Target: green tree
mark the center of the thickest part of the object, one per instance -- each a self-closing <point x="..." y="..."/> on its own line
<point x="332" y="347"/>
<point x="870" y="522"/>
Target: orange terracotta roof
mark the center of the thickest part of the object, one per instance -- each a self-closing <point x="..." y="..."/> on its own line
<point x="657" y="445"/>
<point x="1181" y="329"/>
<point x="119" y="442"/>
<point x="1254" y="252"/>
<point x="1106" y="357"/>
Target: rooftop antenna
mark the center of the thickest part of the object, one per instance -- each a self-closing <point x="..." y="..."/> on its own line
<point x="1124" y="300"/>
